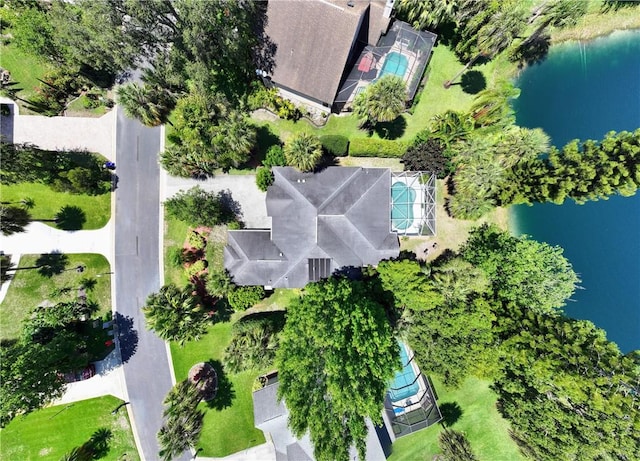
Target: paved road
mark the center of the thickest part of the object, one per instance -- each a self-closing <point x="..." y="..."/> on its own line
<point x="146" y="365"/>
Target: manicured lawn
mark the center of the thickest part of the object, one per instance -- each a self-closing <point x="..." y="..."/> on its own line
<point x="29" y="288"/>
<point x="479" y="419"/>
<point x="97" y="208"/>
<point x="25" y="69"/>
<point x="175" y="233"/>
<point x="279" y="300"/>
<point x="230" y="429"/>
<point x="49" y="433"/>
<point x="76" y="109"/>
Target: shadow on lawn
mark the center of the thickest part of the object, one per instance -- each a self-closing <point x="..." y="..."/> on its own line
<point x="50" y="264"/>
<point x="226" y="393"/>
<point x="451" y="412"/>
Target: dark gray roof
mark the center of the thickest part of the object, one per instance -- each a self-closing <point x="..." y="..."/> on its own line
<point x="266" y="406"/>
<point x="340" y="213"/>
<point x="314" y="40"/>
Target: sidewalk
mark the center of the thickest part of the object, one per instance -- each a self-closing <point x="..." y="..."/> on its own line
<point x="264" y="452"/>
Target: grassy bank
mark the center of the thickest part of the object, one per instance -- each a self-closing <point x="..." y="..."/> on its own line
<point x="470" y="409"/>
<point x="96" y="208"/>
<point x="25" y="70"/>
<point x="29" y="288"/>
<point x="597" y="23"/>
<point x="47" y="434"/>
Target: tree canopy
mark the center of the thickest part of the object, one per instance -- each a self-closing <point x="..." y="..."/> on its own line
<point x="303" y="151"/>
<point x="382" y="101"/>
<point x="337" y="354"/>
<point x="198" y="207"/>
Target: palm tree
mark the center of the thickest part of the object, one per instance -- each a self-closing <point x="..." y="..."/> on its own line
<point x="235" y="139"/>
<point x="303" y="152"/>
<point x="149" y="104"/>
<point x="175" y="315"/>
<point x="493" y="105"/>
<point x="13" y="219"/>
<point x="427" y="13"/>
<point x="382" y="101"/>
<point x="451" y="127"/>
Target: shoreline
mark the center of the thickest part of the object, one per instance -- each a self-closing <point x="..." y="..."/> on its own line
<point x="597" y="24"/>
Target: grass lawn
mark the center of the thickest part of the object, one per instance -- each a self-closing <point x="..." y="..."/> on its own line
<point x="29" y="288"/>
<point x="596" y="23"/>
<point x="175" y="233"/>
<point x="230" y="429"/>
<point x="49" y="433"/>
<point x="25" y="69"/>
<point x="479" y="419"/>
<point x="76" y="109"/>
<point x="97" y="208"/>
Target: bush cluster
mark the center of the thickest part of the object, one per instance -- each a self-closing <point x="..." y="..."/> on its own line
<point x="268" y="98"/>
<point x="264" y="178"/>
<point x="335" y="145"/>
<point x="371" y="147"/>
<point x="244" y="297"/>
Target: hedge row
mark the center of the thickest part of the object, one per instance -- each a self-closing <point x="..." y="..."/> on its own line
<point x="371" y="147"/>
<point x="335" y="144"/>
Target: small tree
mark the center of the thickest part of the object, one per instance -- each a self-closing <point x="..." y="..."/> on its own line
<point x="264" y="178"/>
<point x="274" y="157"/>
<point x="176" y="315"/>
<point x="455" y="446"/>
<point x="428" y="156"/>
<point x="382" y="101"/>
<point x="197" y="207"/>
<point x="303" y="152"/>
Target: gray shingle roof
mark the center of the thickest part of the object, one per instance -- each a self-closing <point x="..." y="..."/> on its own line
<point x="340" y="213"/>
<point x="314" y="39"/>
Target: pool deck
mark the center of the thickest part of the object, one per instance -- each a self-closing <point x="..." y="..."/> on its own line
<point x="417" y="209"/>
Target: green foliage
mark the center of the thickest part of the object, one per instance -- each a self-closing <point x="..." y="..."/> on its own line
<point x="183" y="421"/>
<point x="382" y="101"/>
<point x="590" y="171"/>
<point x="219" y="284"/>
<point x="196" y="240"/>
<point x="335" y="144"/>
<point x="425" y="14"/>
<point x="274" y="157"/>
<point x="175" y="257"/>
<point x="455" y="446"/>
<point x="338" y="338"/>
<point x="197" y="207"/>
<point x="254" y="342"/>
<point x="406" y="281"/>
<point x="522" y="271"/>
<point x="372" y="147"/>
<point x="175" y="314"/>
<point x="244" y="297"/>
<point x="147" y="103"/>
<point x="13" y="219"/>
<point x="492" y="107"/>
<point x="196" y="268"/>
<point x="33" y="33"/>
<point x="268" y="98"/>
<point x="303" y="152"/>
<point x="92" y="180"/>
<point x="428" y="156"/>
<point x="264" y="178"/>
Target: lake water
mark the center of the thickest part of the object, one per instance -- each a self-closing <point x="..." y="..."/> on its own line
<point x="584" y="90"/>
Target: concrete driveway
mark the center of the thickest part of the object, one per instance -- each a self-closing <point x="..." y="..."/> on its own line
<point x="243" y="190"/>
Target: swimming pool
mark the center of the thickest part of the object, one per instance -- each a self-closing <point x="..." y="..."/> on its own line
<point x="404" y="383"/>
<point x="395" y="63"/>
<point x="402" y="200"/>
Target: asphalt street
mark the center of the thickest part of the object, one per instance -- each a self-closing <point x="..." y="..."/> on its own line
<point x="137" y="223"/>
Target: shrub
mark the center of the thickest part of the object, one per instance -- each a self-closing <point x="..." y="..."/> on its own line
<point x="274" y="157"/>
<point x="197" y="207"/>
<point x="264" y="178"/>
<point x="235" y="225"/>
<point x="428" y="156"/>
<point x="196" y="240"/>
<point x="92" y="180"/>
<point x="219" y="284"/>
<point x="244" y="297"/>
<point x="371" y="147"/>
<point x="303" y="151"/>
<point x="175" y="257"/>
<point x="335" y="144"/>
<point x="196" y="268"/>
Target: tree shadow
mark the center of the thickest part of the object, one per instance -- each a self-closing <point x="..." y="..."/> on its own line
<point x="226" y="393"/>
<point x="535" y="50"/>
<point x="127" y="336"/>
<point x="70" y="218"/>
<point x="451" y="412"/>
<point x="265" y="138"/>
<point x="391" y="130"/>
<point x="473" y="82"/>
<point x="326" y="161"/>
<point x="51" y="264"/>
<point x="234" y="208"/>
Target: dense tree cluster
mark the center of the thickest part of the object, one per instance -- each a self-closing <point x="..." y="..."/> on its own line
<point x="493" y="311"/>
<point x="198" y="207"/>
<point x="337" y="353"/>
<point x="182" y="420"/>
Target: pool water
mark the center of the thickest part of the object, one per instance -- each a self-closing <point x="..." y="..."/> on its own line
<point x="402" y="200"/>
<point x="404" y="383"/>
<point x="394" y="63"/>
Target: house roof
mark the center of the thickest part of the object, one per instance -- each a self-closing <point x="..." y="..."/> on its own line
<point x="314" y="39"/>
<point x="341" y="214"/>
<point x="272" y="416"/>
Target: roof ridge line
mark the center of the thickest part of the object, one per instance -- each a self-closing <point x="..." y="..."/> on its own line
<point x="342" y="186"/>
<point x="364" y="193"/>
<point x="291" y="186"/>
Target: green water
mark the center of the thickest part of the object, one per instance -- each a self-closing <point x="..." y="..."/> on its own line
<point x="583" y="90"/>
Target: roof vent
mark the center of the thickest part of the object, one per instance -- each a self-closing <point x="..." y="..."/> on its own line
<point x="351" y="4"/>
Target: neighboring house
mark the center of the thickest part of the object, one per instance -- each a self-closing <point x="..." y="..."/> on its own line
<point x="338" y="218"/>
<point x="409" y="406"/>
<point x="327" y="51"/>
<point x="317" y="40"/>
